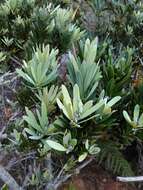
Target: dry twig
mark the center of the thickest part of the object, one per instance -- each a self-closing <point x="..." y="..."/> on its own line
<point x="8" y="179"/>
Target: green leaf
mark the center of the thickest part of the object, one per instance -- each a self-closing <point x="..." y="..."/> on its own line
<point x="67" y="102"/>
<point x="73" y="142"/>
<point x="93" y="150"/>
<point x="141" y="120"/>
<point x="92" y="110"/>
<point x="77" y="103"/>
<point x="62" y="107"/>
<point x="4" y="187"/>
<point x="113" y="101"/>
<point x="56" y="146"/>
<point x="66" y="139"/>
<point x="82" y="157"/>
<point x="127" y="117"/>
<point x="87" y="144"/>
<point x="136" y="113"/>
<point x="87" y="105"/>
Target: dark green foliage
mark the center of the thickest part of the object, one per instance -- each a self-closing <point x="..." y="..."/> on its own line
<point x="117" y="72"/>
<point x="112" y="159"/>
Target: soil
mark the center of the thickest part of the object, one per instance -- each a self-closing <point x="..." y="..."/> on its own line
<point x="93" y="177"/>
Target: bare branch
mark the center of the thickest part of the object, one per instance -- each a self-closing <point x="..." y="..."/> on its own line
<point x="130" y="179"/>
<point x="8" y="179"/>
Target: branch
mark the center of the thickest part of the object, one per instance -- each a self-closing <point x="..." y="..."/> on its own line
<point x="130" y="179"/>
<point x="8" y="179"/>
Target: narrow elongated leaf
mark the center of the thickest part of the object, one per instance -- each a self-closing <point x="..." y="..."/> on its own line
<point x="87" y="106"/>
<point x="61" y="106"/>
<point x="66" y="96"/>
<point x="25" y="76"/>
<point x="141" y="120"/>
<point x="92" y="110"/>
<point x="113" y="101"/>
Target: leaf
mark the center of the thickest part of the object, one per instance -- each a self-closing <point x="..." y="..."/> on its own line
<point x="32" y="134"/>
<point x="56" y="146"/>
<point x="92" y="110"/>
<point x="73" y="62"/>
<point x="66" y="139"/>
<point x="77" y="103"/>
<point x="127" y="117"/>
<point x="136" y="113"/>
<point x="73" y="142"/>
<point x="5" y="187"/>
<point x="94" y="150"/>
<point x="113" y="101"/>
<point x="67" y="102"/>
<point x="141" y="120"/>
<point x="62" y="107"/>
<point x="31" y="120"/>
<point x="76" y="98"/>
<point x="87" y="105"/>
<point x="25" y="76"/>
<point x="87" y="144"/>
<point x="82" y="157"/>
